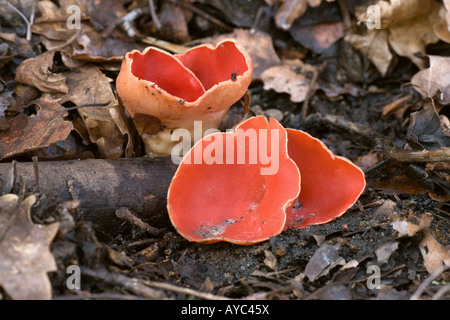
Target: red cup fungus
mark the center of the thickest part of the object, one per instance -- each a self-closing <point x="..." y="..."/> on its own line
<point x="330" y="184"/>
<point x="163" y="92"/>
<point x="215" y="197"/>
<point x="227" y="196"/>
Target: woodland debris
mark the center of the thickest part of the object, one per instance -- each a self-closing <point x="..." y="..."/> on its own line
<point x="37" y="72"/>
<point x="434" y="81"/>
<point x="125" y="214"/>
<point x="105" y="126"/>
<point x="28" y="133"/>
<point x="290" y="10"/>
<point x="103" y="186"/>
<point x="407" y="26"/>
<point x="324" y="259"/>
<point x="438" y="155"/>
<point x="130" y="284"/>
<point x="293" y="77"/>
<point x="25" y="256"/>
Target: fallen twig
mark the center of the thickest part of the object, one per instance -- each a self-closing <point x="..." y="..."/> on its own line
<point x="125" y="214"/>
<point x="132" y="285"/>
<point x="153" y="15"/>
<point x="28" y="23"/>
<point x="427" y="282"/>
<point x="175" y="48"/>
<point x="441" y="292"/>
<point x="186" y="291"/>
<point x="438" y="155"/>
<point x="341" y="123"/>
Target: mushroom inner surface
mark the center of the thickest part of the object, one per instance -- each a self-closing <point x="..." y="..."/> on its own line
<point x="329" y="184"/>
<point x="213" y="66"/>
<point x="216" y="202"/>
<point x="167" y="73"/>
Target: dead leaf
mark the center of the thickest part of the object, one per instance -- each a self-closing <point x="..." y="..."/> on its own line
<point x="406" y="25"/>
<point x="425" y="130"/>
<point x="20" y="46"/>
<point x="332" y="291"/>
<point x="437" y="256"/>
<point x="442" y="26"/>
<point x="323" y="260"/>
<point x="375" y="46"/>
<point x="90" y="45"/>
<point x="6" y="54"/>
<point x="207" y="286"/>
<point x="441" y="171"/>
<point x="318" y="37"/>
<point x="50" y="12"/>
<point x="36" y="72"/>
<point x="385" y="251"/>
<point x="423" y="224"/>
<point x="368" y="160"/>
<point x="447" y="14"/>
<point x="173" y="23"/>
<point x="105" y="125"/>
<point x="439" y="197"/>
<point x="27" y="133"/>
<point x="104" y="12"/>
<point x="411" y="40"/>
<point x="25" y="257"/>
<point x="270" y="260"/>
<point x="401" y="226"/>
<point x="23" y="96"/>
<point x="334" y="91"/>
<point x="51" y="22"/>
<point x="290" y="10"/>
<point x="320" y="239"/>
<point x="61" y="150"/>
<point x="387" y="292"/>
<point x="434" y="81"/>
<point x="412" y="225"/>
<point x="292" y="77"/>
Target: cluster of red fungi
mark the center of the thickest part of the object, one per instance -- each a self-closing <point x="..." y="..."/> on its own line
<point x="223" y="200"/>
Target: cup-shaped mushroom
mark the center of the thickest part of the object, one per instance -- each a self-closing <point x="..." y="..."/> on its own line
<point x="163" y="92"/>
<point x="330" y="184"/>
<point x="235" y="186"/>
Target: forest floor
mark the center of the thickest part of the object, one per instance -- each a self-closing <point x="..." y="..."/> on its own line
<point x="366" y="103"/>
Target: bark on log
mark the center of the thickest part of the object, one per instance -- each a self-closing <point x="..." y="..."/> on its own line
<point x="103" y="186"/>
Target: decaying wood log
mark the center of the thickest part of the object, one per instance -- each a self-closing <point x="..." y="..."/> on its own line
<point x="103" y="186"/>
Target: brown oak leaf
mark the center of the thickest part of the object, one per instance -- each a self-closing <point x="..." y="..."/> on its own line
<point x="36" y="72"/>
<point x="25" y="257"/>
<point x="27" y="133"/>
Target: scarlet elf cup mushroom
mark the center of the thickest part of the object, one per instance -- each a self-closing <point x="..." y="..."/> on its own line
<point x="330" y="184"/>
<point x="228" y="189"/>
<point x="235" y="186"/>
<point x="164" y="92"/>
